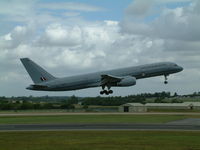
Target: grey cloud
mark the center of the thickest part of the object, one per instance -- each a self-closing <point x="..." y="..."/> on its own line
<point x="177" y="24"/>
<point x="181" y="23"/>
<point x="184" y="46"/>
<point x="139" y="8"/>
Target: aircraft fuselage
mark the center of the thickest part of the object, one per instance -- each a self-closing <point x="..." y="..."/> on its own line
<point x="95" y="79"/>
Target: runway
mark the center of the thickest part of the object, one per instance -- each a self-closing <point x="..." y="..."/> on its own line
<point x="119" y="126"/>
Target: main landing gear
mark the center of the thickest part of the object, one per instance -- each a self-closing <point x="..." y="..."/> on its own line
<point x="165" y="82"/>
<point x="107" y="92"/>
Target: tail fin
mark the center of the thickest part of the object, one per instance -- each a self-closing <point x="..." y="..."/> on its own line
<point x="36" y="73"/>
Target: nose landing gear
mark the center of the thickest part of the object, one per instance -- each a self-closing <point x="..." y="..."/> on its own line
<point x="165" y="82"/>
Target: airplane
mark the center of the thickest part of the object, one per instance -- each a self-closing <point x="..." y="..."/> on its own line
<point x="123" y="77"/>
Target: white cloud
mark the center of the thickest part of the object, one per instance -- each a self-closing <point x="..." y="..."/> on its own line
<point x="78" y="47"/>
<point x="58" y="35"/>
<point x="19" y="35"/>
<point x="70" y="6"/>
<point x="73" y="45"/>
<point x="8" y="37"/>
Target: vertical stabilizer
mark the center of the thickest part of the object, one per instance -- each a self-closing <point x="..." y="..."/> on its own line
<point x="37" y="73"/>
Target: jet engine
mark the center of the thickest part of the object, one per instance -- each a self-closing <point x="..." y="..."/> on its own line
<point x="127" y="81"/>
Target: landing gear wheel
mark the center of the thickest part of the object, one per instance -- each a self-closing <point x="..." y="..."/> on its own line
<point x="101" y="92"/>
<point x="165" y="82"/>
<point x="106" y="92"/>
<point x="110" y="91"/>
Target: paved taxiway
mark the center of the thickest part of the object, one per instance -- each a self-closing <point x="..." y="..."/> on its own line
<point x="185" y="124"/>
<point x="126" y="126"/>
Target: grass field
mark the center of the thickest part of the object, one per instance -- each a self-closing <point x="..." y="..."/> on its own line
<point x="92" y="119"/>
<point x="100" y="140"/>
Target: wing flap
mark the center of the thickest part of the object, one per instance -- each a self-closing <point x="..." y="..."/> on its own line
<point x="108" y="79"/>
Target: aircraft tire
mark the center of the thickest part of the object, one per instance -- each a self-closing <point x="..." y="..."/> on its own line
<point x="106" y="92"/>
<point x="101" y="92"/>
<point x="110" y="91"/>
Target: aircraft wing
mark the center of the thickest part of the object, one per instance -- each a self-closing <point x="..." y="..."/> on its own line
<point x="39" y="86"/>
<point x="107" y="79"/>
<point x="36" y="86"/>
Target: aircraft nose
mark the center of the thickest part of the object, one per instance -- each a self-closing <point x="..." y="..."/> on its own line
<point x="180" y="68"/>
<point x="29" y="87"/>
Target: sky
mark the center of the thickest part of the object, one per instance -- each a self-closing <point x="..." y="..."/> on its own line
<point x="70" y="37"/>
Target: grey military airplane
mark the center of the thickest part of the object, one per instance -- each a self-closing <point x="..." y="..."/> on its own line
<point x="123" y="77"/>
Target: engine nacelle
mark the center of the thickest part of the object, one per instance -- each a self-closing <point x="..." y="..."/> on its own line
<point x="127" y="81"/>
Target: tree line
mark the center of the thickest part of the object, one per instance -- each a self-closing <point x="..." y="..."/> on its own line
<point x="25" y="104"/>
<point x="63" y="102"/>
